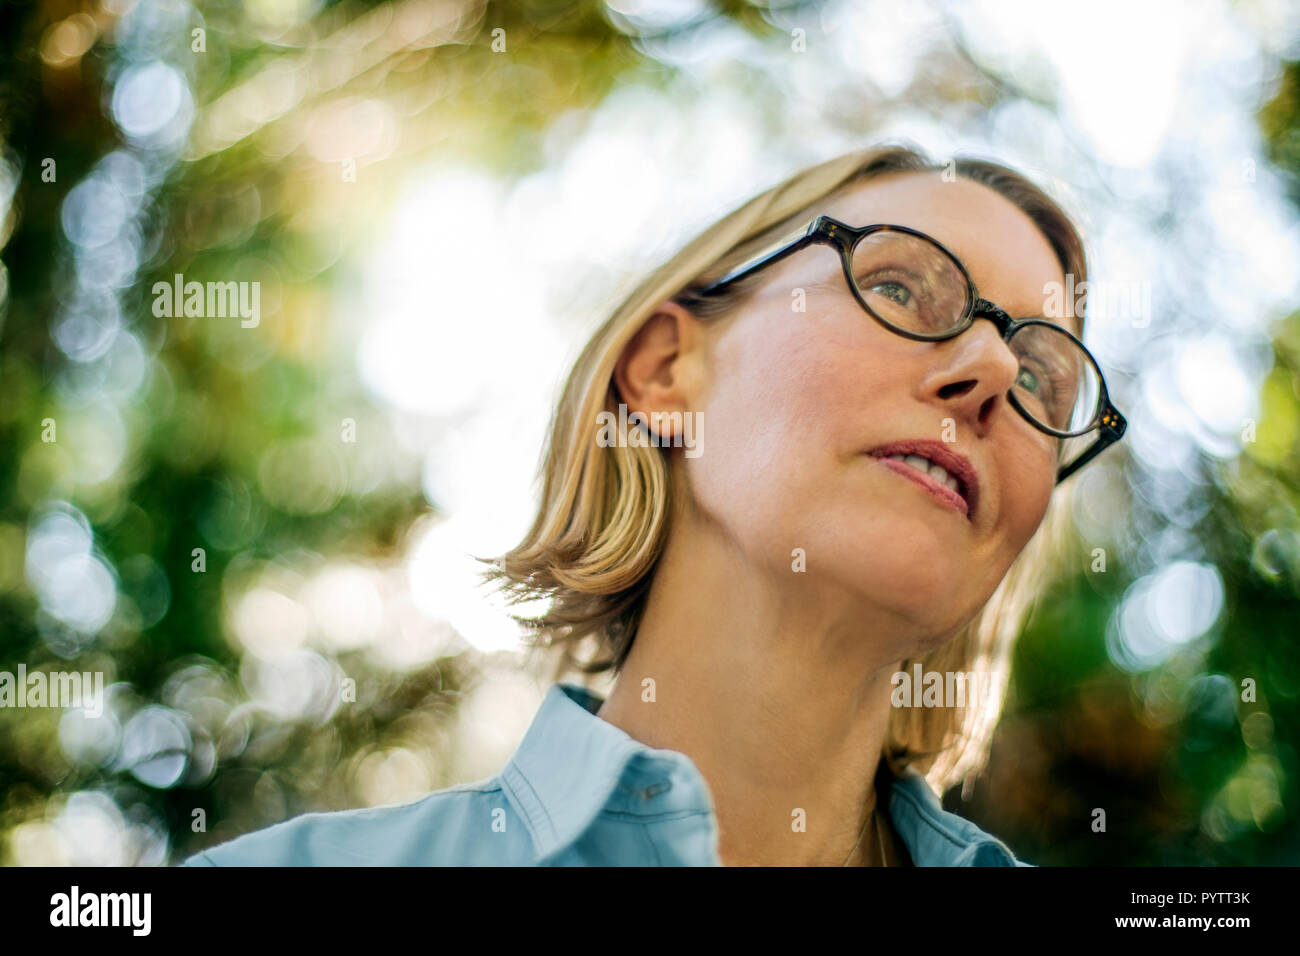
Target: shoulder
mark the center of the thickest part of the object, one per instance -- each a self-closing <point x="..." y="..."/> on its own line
<point x="459" y="825"/>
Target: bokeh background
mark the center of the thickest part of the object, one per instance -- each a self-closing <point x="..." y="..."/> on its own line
<point x="438" y="197"/>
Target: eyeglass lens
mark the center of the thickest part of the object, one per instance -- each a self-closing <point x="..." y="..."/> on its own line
<point x="912" y="284"/>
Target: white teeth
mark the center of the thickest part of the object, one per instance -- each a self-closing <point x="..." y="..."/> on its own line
<point x="937" y="472"/>
<point x="940" y="474"/>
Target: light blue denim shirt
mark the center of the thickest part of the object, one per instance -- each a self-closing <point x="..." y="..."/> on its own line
<point x="578" y="792"/>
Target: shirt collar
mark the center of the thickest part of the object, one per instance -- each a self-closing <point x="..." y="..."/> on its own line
<point x="570" y="762"/>
<point x="934" y="836"/>
<point x="567" y="767"/>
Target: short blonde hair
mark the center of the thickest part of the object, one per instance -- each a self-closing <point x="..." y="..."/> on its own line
<point x="605" y="511"/>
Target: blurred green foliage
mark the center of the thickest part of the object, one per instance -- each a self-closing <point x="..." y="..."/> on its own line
<point x="1195" y="762"/>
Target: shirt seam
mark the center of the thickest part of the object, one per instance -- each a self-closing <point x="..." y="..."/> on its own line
<point x="527" y="797"/>
<point x="624" y="816"/>
<point x="389" y="807"/>
<point x="645" y="830"/>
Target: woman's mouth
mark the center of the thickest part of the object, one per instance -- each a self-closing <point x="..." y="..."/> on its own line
<point x="948" y="476"/>
<point x="932" y="477"/>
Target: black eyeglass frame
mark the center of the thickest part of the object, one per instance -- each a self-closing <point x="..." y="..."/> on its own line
<point x="1108" y="420"/>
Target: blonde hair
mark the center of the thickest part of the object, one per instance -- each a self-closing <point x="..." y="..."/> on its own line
<point x="605" y="511"/>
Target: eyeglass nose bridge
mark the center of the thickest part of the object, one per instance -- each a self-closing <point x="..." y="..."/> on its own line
<point x="984" y="309"/>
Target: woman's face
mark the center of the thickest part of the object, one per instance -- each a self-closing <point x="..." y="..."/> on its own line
<point x="796" y="401"/>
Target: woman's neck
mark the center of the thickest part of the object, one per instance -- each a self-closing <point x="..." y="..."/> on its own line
<point x="783" y="709"/>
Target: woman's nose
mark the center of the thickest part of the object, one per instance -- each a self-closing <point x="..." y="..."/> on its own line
<point x="978" y="372"/>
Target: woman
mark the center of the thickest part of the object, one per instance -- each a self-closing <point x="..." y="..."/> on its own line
<point x="834" y="479"/>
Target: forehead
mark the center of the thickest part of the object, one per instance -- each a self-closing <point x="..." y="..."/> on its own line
<point x="1007" y="256"/>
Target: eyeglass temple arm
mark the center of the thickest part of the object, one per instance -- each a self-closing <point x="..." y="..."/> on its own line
<point x="1113" y="426"/>
<point x="808" y="235"/>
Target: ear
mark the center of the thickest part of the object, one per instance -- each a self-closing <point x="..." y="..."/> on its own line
<point x="657" y="372"/>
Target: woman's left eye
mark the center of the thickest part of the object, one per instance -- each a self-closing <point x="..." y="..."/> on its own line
<point x="894" y="290"/>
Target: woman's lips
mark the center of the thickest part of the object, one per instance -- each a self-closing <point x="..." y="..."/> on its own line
<point x="941" y="493"/>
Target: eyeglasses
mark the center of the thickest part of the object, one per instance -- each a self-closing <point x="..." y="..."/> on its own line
<point x="915" y="287"/>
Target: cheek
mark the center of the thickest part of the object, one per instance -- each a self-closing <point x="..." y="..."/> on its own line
<point x="788" y="401"/>
<point x="772" y="401"/>
<point x="1027" y="491"/>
